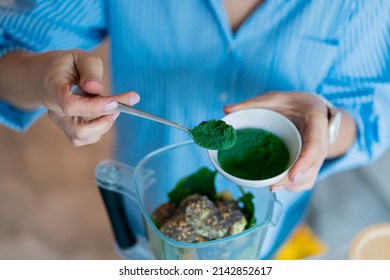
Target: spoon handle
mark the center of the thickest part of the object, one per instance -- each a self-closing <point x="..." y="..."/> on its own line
<point x="135" y="112"/>
<point x="75" y="89"/>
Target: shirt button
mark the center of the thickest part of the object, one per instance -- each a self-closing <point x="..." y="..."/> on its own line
<point x="223" y="96"/>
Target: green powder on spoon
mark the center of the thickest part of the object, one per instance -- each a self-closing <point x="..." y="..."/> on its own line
<point x="214" y="135"/>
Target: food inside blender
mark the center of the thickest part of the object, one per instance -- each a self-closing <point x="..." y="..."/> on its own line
<point x="197" y="213"/>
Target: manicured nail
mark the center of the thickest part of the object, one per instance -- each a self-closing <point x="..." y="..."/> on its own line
<point x="297" y="176"/>
<point x="110" y="106"/>
<point x="92" y="80"/>
<point x="115" y="116"/>
<point x="277" y="188"/>
<point x="228" y="107"/>
<point x="134" y="99"/>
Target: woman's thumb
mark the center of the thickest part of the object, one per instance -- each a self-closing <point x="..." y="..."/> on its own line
<point x="90" y="69"/>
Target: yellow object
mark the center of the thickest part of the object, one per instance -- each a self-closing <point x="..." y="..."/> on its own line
<point x="303" y="243"/>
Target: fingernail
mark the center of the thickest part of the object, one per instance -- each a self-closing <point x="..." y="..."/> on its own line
<point x="297" y="176"/>
<point x="92" y="80"/>
<point x="228" y="107"/>
<point x="277" y="188"/>
<point x="115" y="116"/>
<point x="134" y="99"/>
<point x="110" y="106"/>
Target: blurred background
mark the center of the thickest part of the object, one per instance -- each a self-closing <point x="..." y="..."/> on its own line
<point x="50" y="207"/>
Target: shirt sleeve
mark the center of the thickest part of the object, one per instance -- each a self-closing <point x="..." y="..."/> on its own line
<point x="359" y="83"/>
<point x="47" y="25"/>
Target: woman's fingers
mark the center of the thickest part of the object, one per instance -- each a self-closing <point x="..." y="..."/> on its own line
<point x="303" y="173"/>
<point x="81" y="132"/>
<point x="92" y="87"/>
<point x="86" y="115"/>
<point x="80" y="143"/>
<point x="90" y="69"/>
<point x="269" y="100"/>
<point x="306" y="181"/>
<point x="87" y="132"/>
<point x="92" y="106"/>
<point x="314" y="145"/>
<point x="80" y="68"/>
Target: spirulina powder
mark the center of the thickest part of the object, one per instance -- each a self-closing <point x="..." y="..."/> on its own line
<point x="214" y="135"/>
<point x="257" y="155"/>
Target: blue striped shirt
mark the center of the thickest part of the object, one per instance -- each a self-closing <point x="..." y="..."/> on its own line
<point x="185" y="62"/>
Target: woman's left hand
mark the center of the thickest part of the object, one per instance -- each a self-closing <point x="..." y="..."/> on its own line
<point x="310" y="116"/>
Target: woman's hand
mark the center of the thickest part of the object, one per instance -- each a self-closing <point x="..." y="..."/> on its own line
<point x="46" y="78"/>
<point x="310" y="116"/>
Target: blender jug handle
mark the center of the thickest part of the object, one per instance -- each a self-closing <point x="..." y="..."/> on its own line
<point x="276" y="213"/>
<point x="113" y="201"/>
<point x="114" y="180"/>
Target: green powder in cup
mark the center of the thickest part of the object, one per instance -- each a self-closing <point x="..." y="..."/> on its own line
<point x="214" y="135"/>
<point x="257" y="155"/>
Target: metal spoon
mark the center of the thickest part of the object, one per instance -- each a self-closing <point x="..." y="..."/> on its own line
<point x="136" y="112"/>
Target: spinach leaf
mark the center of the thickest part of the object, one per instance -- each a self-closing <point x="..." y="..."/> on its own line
<point x="156" y="223"/>
<point x="200" y="182"/>
<point x="249" y="207"/>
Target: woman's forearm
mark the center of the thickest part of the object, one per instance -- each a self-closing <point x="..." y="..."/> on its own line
<point x="345" y="138"/>
<point x="29" y="80"/>
<point x="21" y="79"/>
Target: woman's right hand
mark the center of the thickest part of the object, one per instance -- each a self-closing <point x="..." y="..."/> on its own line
<point x="84" y="119"/>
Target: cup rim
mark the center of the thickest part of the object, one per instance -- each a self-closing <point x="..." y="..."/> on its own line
<point x="145" y="214"/>
<point x="257" y="183"/>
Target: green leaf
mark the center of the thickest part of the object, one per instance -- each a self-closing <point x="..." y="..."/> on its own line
<point x="252" y="222"/>
<point x="249" y="207"/>
<point x="200" y="182"/>
<point x="156" y="223"/>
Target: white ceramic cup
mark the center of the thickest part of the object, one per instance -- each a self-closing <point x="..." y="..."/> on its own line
<point x="270" y="121"/>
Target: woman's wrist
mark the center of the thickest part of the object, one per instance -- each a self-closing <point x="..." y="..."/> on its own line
<point x="21" y="82"/>
<point x="345" y="138"/>
<point x="341" y="128"/>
